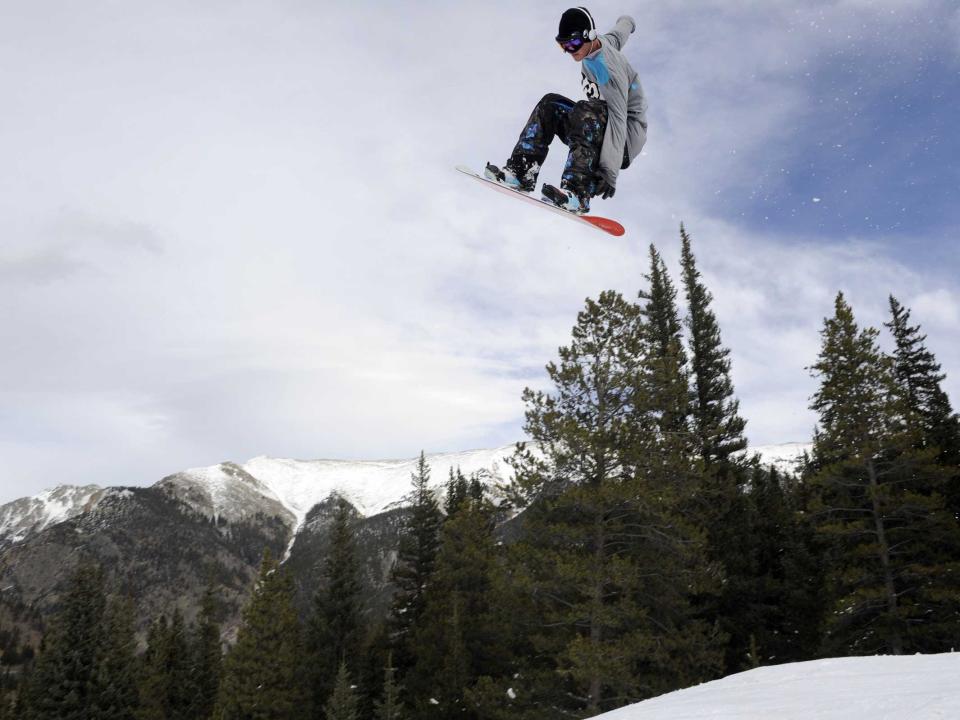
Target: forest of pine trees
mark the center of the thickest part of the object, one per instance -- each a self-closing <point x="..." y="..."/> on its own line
<point x="647" y="551"/>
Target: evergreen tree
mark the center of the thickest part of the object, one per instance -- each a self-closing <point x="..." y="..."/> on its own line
<point x="375" y="654"/>
<point x="263" y="673"/>
<point x="919" y="376"/>
<point x="413" y="571"/>
<point x="716" y="418"/>
<point x="892" y="548"/>
<point x="780" y="582"/>
<point x="721" y="506"/>
<point x="166" y="688"/>
<point x="342" y="704"/>
<point x="665" y="361"/>
<point x="459" y="637"/>
<point x="458" y="490"/>
<point x="154" y="679"/>
<point x="601" y="501"/>
<point x="117" y="697"/>
<point x="207" y="654"/>
<point x="334" y="630"/>
<point x="389" y="707"/>
<point x="180" y="688"/>
<point x="64" y="683"/>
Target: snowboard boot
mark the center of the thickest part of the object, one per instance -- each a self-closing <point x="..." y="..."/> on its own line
<point x="526" y="183"/>
<point x="566" y="200"/>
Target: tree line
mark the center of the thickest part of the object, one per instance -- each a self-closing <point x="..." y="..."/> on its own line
<point x="638" y="549"/>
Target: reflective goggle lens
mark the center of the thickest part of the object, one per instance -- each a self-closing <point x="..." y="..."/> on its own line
<point x="572" y="44"/>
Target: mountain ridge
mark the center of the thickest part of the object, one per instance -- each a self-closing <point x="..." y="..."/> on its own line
<point x="290" y="488"/>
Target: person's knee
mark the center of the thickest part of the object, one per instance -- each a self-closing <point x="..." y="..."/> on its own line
<point x="586" y="111"/>
<point x="555" y="100"/>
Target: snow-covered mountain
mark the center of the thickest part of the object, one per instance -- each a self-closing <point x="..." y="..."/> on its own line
<point x="30" y="515"/>
<point x="371" y="486"/>
<point x="785" y="457"/>
<point x="914" y="687"/>
<point x="290" y="488"/>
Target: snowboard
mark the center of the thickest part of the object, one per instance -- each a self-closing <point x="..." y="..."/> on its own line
<point x="600" y="223"/>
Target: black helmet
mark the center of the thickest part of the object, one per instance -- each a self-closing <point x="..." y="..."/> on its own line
<point x="576" y="23"/>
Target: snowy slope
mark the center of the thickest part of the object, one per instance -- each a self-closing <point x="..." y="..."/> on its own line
<point x="785" y="457"/>
<point x="914" y="687"/>
<point x="372" y="486"/>
<point x="225" y="491"/>
<point x="30" y="515"/>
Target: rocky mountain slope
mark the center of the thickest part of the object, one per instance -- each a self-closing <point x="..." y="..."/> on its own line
<point x="163" y="544"/>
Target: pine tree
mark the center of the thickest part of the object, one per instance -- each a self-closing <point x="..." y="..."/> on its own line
<point x="919" y="376"/>
<point x="665" y="360"/>
<point x="892" y="548"/>
<point x="389" y="707"/>
<point x="207" y="658"/>
<point x="166" y="687"/>
<point x="342" y="704"/>
<point x="334" y="627"/>
<point x="263" y="673"/>
<point x="601" y="503"/>
<point x="717" y="422"/>
<point x="416" y="561"/>
<point x="459" y="637"/>
<point x="64" y="682"/>
<point x="180" y="689"/>
<point x="153" y="675"/>
<point x="722" y="507"/>
<point x="780" y="582"/>
<point x="458" y="490"/>
<point x="117" y="697"/>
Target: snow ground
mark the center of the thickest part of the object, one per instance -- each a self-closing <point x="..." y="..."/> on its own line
<point x="912" y="687"/>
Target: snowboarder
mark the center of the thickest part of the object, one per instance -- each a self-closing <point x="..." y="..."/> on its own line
<point x="605" y="132"/>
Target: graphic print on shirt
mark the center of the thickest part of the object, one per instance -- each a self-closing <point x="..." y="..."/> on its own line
<point x="590" y="88"/>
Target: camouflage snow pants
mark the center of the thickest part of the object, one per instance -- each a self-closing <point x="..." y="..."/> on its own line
<point x="579" y="125"/>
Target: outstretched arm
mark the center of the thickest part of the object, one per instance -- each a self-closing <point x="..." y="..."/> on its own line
<point x="621" y="31"/>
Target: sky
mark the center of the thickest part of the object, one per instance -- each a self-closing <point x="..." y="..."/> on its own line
<point x="232" y="229"/>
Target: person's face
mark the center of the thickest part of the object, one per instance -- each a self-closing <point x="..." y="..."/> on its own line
<point x="582" y="52"/>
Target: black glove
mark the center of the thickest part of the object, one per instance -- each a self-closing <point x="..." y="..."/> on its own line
<point x="604" y="189"/>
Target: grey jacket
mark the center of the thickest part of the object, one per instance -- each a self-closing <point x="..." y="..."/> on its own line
<point x="607" y="75"/>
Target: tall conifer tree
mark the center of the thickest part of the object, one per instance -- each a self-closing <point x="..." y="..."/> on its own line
<point x="342" y="704"/>
<point x="920" y="378"/>
<point x="263" y="674"/>
<point x="207" y="654"/>
<point x="716" y="418"/>
<point x="722" y="506"/>
<point x="416" y="562"/>
<point x="64" y="683"/>
<point x="667" y="375"/>
<point x="459" y="637"/>
<point x="601" y="506"/>
<point x="154" y="679"/>
<point x="893" y="548"/>
<point x="118" y="697"/>
<point x="166" y="688"/>
<point x="334" y="628"/>
<point x="389" y="707"/>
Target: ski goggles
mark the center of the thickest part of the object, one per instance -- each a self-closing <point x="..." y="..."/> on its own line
<point x="571" y="45"/>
